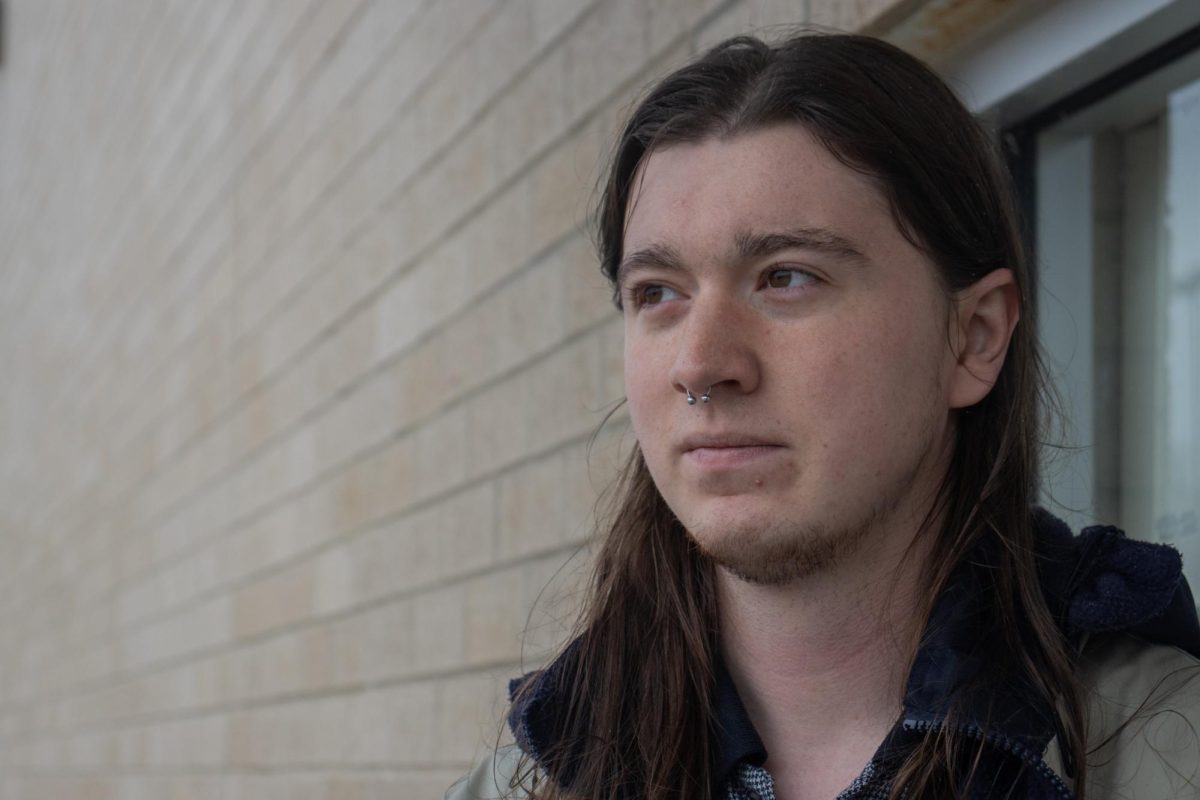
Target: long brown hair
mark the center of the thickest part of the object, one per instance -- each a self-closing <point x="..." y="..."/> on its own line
<point x="639" y="709"/>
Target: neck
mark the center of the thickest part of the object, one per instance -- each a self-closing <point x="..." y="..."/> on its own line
<point x="821" y="662"/>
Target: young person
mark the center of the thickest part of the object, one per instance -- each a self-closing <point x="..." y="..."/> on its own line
<point x="823" y="576"/>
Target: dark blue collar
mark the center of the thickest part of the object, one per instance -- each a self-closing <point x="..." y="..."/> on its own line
<point x="735" y="739"/>
<point x="1097" y="582"/>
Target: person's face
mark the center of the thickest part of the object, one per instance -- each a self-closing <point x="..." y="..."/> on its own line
<point x="763" y="271"/>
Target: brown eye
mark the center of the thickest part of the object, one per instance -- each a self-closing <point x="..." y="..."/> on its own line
<point x="653" y="294"/>
<point x="788" y="278"/>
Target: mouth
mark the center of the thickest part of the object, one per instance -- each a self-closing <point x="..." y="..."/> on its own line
<point x="727" y="452"/>
<point x="724" y="441"/>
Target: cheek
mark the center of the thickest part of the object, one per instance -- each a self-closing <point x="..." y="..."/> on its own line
<point x="844" y="391"/>
<point x="869" y="388"/>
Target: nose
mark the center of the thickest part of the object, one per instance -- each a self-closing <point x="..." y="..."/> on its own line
<point x="714" y="350"/>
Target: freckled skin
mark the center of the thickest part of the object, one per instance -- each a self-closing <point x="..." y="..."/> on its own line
<point x="849" y="376"/>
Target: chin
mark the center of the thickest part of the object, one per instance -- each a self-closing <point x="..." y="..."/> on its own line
<point x="763" y="548"/>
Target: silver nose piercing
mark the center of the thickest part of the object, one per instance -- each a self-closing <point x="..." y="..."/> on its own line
<point x="704" y="398"/>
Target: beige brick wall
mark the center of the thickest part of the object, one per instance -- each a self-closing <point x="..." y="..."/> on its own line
<point x="302" y="344"/>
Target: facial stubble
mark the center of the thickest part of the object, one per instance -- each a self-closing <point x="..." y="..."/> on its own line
<point x="787" y="551"/>
<point x="779" y="554"/>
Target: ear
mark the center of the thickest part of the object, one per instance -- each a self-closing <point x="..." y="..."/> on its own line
<point x="986" y="314"/>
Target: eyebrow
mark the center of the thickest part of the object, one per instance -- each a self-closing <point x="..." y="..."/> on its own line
<point x="749" y="245"/>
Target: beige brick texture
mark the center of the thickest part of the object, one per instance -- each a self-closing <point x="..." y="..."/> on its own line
<point x="303" y="342"/>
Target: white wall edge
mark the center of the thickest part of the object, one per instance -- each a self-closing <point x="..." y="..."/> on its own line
<point x="1060" y="49"/>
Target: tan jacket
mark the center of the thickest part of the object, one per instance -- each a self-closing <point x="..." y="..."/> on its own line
<point x="1155" y="757"/>
<point x="1156" y="690"/>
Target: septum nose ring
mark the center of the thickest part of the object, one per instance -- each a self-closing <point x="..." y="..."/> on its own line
<point x="704" y="398"/>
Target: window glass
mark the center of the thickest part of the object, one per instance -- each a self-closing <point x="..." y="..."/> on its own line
<point x="1118" y="244"/>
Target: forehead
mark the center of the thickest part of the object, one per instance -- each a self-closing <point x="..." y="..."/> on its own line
<point x="697" y="196"/>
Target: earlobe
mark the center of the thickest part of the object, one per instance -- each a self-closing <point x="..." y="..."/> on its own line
<point x="987" y="314"/>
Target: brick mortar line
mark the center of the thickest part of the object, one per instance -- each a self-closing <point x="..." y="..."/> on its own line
<point x="170" y="138"/>
<point x="403" y="594"/>
<point x="436" y="158"/>
<point x="62" y="71"/>
<point x="21" y="134"/>
<point x="349" y="689"/>
<point x="133" y="101"/>
<point x="502" y="187"/>
<point x="211" y="593"/>
<point x="118" y="323"/>
<point x="178" y="133"/>
<point x="58" y="400"/>
<point x="348" y="241"/>
<point x="167" y="76"/>
<point x="549" y="47"/>
<point x="268" y="73"/>
<point x="587" y="117"/>
<point x="568" y="551"/>
<point x="226" y="771"/>
<point x="484" y="19"/>
<point x="162" y="665"/>
<point x="122" y="118"/>
<point x="348" y="314"/>
<point x="170" y="212"/>
<point x="148" y="428"/>
<point x="60" y="32"/>
<point x="126" y="97"/>
<point x="399" y="355"/>
<point x="220" y="201"/>
<point x="468" y="393"/>
<point x="238" y="175"/>
<point x="269" y="70"/>
<point x="122" y="241"/>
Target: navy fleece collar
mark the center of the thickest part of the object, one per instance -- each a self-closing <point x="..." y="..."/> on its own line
<point x="1101" y="582"/>
<point x="1097" y="582"/>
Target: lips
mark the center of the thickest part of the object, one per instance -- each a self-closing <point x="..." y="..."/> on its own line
<point x="727" y="453"/>
<point x="724" y="441"/>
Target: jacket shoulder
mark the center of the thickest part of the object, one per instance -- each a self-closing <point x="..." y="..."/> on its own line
<point x="1143" y="710"/>
<point x="490" y="778"/>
